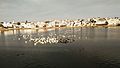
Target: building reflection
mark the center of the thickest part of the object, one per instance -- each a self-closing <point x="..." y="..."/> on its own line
<point x="86" y="33"/>
<point x="47" y="37"/>
<point x="2" y="38"/>
<point x="54" y="36"/>
<point x="101" y="33"/>
<point x="106" y="33"/>
<point x="91" y="33"/>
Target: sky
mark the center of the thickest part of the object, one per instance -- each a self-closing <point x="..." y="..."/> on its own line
<point x="36" y="10"/>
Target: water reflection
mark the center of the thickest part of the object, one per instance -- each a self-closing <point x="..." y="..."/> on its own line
<point x="2" y="38"/>
<point x="54" y="36"/>
<point x="61" y="48"/>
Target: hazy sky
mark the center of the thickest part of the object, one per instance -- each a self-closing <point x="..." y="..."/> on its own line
<point x="20" y="10"/>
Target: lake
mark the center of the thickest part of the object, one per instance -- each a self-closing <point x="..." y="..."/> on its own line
<point x="85" y="47"/>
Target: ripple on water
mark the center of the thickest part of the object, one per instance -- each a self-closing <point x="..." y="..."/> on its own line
<point x="38" y="65"/>
<point x="108" y="63"/>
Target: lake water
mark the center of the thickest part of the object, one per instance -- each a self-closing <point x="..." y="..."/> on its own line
<point x="60" y="48"/>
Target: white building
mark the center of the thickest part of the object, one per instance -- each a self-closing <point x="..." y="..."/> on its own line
<point x="113" y="22"/>
<point x="7" y="24"/>
<point x="101" y="21"/>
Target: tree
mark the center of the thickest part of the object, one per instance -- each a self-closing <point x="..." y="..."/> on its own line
<point x="47" y="21"/>
<point x="1" y="24"/>
<point x="18" y="23"/>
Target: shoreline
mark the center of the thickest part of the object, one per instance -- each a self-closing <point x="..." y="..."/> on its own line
<point x="46" y="28"/>
<point x="51" y="24"/>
